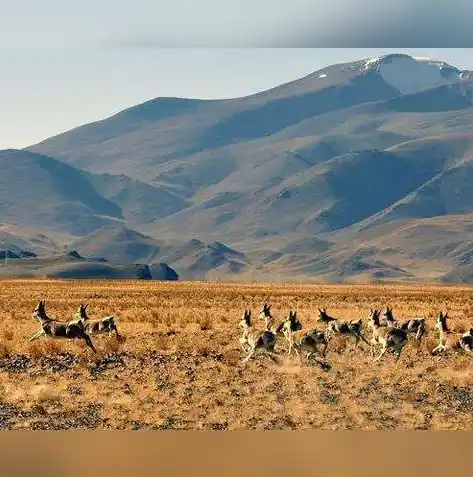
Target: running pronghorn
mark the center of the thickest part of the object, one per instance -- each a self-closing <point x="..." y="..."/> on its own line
<point x="304" y="339"/>
<point x="413" y="326"/>
<point x="271" y="324"/>
<point x="254" y="340"/>
<point x="335" y="326"/>
<point x="443" y="332"/>
<point x="59" y="330"/>
<point x="465" y="341"/>
<point x="390" y="338"/>
<point x="96" y="327"/>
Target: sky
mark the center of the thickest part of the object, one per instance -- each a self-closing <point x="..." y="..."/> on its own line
<point x="64" y="64"/>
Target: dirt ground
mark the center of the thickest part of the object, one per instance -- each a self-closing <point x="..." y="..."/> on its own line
<point x="179" y="365"/>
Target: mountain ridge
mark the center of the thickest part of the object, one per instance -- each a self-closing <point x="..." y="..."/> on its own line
<point x="289" y="178"/>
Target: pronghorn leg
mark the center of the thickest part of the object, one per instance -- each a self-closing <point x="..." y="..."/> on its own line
<point x="37" y="335"/>
<point x="398" y="354"/>
<point x="89" y="343"/>
<point x="244" y="344"/>
<point x="289" y="349"/>
<point x="272" y="354"/>
<point x="357" y="340"/>
<point x="251" y="353"/>
<point x="439" y="348"/>
<point x="382" y="353"/>
<point x="373" y="344"/>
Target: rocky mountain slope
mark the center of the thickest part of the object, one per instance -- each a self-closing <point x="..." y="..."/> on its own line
<point x="352" y="172"/>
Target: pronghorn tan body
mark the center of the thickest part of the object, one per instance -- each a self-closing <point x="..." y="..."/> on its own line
<point x="59" y="330"/>
<point x="415" y="326"/>
<point x="271" y="323"/>
<point x="390" y="338"/>
<point x="96" y="327"/>
<point x="253" y="340"/>
<point x="335" y="326"/>
<point x="303" y="339"/>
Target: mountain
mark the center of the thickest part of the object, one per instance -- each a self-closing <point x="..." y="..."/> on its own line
<point x="190" y="259"/>
<point x="317" y="178"/>
<point x="39" y="191"/>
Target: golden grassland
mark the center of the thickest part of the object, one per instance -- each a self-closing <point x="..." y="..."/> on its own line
<point x="179" y="363"/>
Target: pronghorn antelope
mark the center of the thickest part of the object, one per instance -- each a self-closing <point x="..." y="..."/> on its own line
<point x="300" y="339"/>
<point x="271" y="324"/>
<point x="465" y="341"/>
<point x="443" y="330"/>
<point x="254" y="340"/>
<point x="390" y="338"/>
<point x="415" y="326"/>
<point x="335" y="326"/>
<point x="59" y="330"/>
<point x="96" y="327"/>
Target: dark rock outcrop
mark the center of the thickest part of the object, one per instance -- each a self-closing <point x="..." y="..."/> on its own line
<point x="162" y="271"/>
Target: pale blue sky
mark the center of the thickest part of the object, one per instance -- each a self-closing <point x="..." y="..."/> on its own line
<point x="65" y="64"/>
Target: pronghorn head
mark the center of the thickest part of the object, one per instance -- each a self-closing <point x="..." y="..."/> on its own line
<point x="265" y="312"/>
<point x="293" y="322"/>
<point x="290" y="324"/>
<point x="389" y="314"/>
<point x="323" y="316"/>
<point x="245" y="322"/>
<point x="441" y="323"/>
<point x="82" y="311"/>
<point x="373" y="320"/>
<point x="40" y="310"/>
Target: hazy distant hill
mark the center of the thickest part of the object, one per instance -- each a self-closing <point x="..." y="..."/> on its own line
<point x="352" y="172"/>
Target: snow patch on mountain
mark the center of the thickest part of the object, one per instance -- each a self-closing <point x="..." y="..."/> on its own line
<point x="411" y="75"/>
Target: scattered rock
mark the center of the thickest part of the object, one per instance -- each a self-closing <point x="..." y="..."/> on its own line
<point x="162" y="271"/>
<point x="15" y="364"/>
<point x="109" y="361"/>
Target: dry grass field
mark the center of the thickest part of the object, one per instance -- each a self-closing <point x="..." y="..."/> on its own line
<point x="179" y="365"/>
